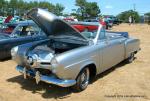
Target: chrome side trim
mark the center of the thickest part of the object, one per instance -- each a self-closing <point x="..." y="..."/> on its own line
<point x="48" y="79"/>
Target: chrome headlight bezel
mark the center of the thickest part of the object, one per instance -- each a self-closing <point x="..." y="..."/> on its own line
<point x="32" y="60"/>
<point x="14" y="51"/>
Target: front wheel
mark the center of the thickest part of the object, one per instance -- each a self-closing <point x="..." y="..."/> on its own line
<point x="131" y="58"/>
<point x="82" y="80"/>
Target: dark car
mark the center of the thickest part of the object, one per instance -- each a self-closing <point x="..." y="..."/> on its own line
<point x="25" y="32"/>
<point x="91" y="20"/>
<point x="116" y="21"/>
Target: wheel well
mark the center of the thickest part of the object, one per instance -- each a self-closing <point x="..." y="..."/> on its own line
<point x="92" y="69"/>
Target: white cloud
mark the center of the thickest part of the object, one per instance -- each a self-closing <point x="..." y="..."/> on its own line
<point x="108" y="6"/>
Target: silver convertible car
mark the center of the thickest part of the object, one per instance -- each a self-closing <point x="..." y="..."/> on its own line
<point x="69" y="58"/>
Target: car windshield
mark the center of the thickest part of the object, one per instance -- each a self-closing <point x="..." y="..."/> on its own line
<point x="93" y="34"/>
<point x="89" y="35"/>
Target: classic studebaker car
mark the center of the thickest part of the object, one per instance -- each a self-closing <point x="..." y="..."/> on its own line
<point x="24" y="32"/>
<point x="69" y="58"/>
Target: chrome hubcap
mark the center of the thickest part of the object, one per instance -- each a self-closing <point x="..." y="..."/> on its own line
<point x="131" y="57"/>
<point x="85" y="78"/>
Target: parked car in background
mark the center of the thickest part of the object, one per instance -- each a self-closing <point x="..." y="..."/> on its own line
<point x="25" y="32"/>
<point x="91" y="20"/>
<point x="69" y="58"/>
<point x="2" y="19"/>
<point x="116" y="21"/>
<point x="7" y="28"/>
<point x="113" y="19"/>
<point x="81" y="26"/>
<point x="8" y="19"/>
<point x="68" y="19"/>
<point x="15" y="19"/>
<point x="109" y="23"/>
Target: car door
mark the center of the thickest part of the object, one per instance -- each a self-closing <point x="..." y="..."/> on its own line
<point x="113" y="52"/>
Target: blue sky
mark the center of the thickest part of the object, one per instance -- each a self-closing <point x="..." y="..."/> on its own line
<point x="111" y="7"/>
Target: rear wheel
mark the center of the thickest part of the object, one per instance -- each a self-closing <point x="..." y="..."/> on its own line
<point x="82" y="80"/>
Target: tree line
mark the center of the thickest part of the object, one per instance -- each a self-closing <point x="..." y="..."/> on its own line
<point x="124" y="16"/>
<point x="20" y="7"/>
<point x="84" y="9"/>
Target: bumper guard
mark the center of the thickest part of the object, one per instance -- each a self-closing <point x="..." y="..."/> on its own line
<point x="47" y="79"/>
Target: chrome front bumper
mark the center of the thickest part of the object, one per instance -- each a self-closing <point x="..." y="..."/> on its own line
<point x="47" y="79"/>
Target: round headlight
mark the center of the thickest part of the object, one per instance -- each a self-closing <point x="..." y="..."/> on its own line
<point x="14" y="51"/>
<point x="30" y="60"/>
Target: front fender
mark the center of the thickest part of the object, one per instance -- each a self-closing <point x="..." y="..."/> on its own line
<point x="72" y="62"/>
<point x="72" y="71"/>
<point x="23" y="50"/>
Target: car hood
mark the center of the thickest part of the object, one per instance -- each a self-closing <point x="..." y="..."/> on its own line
<point x="52" y="25"/>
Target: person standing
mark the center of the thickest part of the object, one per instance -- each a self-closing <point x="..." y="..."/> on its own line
<point x="130" y="20"/>
<point x="103" y="23"/>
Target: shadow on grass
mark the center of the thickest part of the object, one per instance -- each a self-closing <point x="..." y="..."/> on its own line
<point x="103" y="74"/>
<point x="51" y="91"/>
<point x="46" y="90"/>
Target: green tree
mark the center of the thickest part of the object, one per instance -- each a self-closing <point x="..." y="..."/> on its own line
<point x="148" y="14"/>
<point x="87" y="9"/>
<point x="82" y="5"/>
<point x="13" y="6"/>
<point x="58" y="9"/>
<point x="20" y="7"/>
<point x="92" y="9"/>
<point x="2" y="7"/>
<point x="124" y="16"/>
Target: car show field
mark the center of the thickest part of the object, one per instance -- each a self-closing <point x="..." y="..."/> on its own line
<point x="124" y="82"/>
